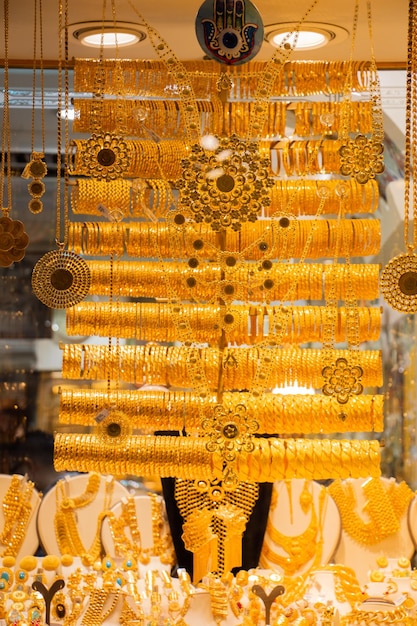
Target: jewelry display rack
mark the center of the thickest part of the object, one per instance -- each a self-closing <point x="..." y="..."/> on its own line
<point x="207" y="206"/>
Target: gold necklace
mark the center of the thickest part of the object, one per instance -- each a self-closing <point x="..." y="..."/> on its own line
<point x="300" y="548"/>
<point x="362" y="157"/>
<point x="60" y="277"/>
<point x="17" y="509"/>
<point x="215" y="520"/>
<point x="162" y="543"/>
<point x="66" y="527"/>
<point x="384" y="506"/>
<point x="94" y="615"/>
<point x="13" y="238"/>
<point x="36" y="168"/>
<point x="399" y="277"/>
<point x="125" y="546"/>
<point x="127" y="520"/>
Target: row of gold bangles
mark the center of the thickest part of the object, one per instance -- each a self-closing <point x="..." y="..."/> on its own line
<point x="305" y="281"/>
<point x="154" y="322"/>
<point x="314" y="77"/>
<point x="187" y="457"/>
<point x="166" y="121"/>
<point x="298" y="157"/>
<point x="140" y="455"/>
<point x="313" y="239"/>
<point x="146" y="158"/>
<point x="163" y="116"/>
<point x="150" y="411"/>
<point x="297" y="77"/>
<point x="280" y="459"/>
<point x="169" y="365"/>
<point x="242" y="324"/>
<point x="305" y="157"/>
<point x="322" y="238"/>
<point x="90" y="196"/>
<point x="322" y="117"/>
<point x="301" y="197"/>
<point x="120" y="198"/>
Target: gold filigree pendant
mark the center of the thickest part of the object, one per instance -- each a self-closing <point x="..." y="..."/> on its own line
<point x="342" y="380"/>
<point x="398" y="283"/>
<point x="61" y="279"/>
<point x="361" y="158"/>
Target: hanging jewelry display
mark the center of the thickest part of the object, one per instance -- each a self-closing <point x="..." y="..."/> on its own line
<point x="13" y="238"/>
<point x="398" y="281"/>
<point x="61" y="278"/>
<point x="228" y="275"/>
<point x="106" y="155"/>
<point x="229" y="316"/>
<point x="36" y="168"/>
<point x="342" y="377"/>
<point x="362" y="156"/>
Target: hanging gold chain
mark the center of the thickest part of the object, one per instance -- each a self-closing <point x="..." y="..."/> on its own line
<point x="5" y="174"/>
<point x="410" y="131"/>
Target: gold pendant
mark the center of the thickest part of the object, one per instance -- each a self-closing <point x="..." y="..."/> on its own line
<point x="61" y="279"/>
<point x="13" y="241"/>
<point x="399" y="283"/>
<point x="361" y="158"/>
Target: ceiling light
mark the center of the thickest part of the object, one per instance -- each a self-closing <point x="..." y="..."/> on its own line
<point x="107" y="34"/>
<point x="309" y="36"/>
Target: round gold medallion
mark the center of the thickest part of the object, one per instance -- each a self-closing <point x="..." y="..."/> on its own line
<point x="114" y="429"/>
<point x="37" y="168"/>
<point x="61" y="279"/>
<point x="398" y="283"/>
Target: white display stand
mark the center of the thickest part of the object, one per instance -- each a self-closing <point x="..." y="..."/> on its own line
<point x="86" y="516"/>
<point x="412" y="520"/>
<point x="31" y="540"/>
<point x="143" y="508"/>
<point x="362" y="558"/>
<point x="290" y="519"/>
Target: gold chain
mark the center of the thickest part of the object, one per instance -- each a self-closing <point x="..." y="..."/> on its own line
<point x="410" y="194"/>
<point x="5" y="174"/>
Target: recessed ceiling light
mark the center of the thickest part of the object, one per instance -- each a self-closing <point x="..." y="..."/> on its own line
<point x="107" y="34"/>
<point x="309" y="36"/>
